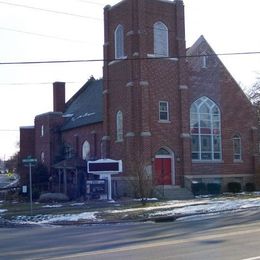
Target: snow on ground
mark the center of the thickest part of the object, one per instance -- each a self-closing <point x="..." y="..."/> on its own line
<point x="45" y="219"/>
<point x="53" y="206"/>
<point x="209" y="206"/>
<point x="3" y="210"/>
<point x="77" y="204"/>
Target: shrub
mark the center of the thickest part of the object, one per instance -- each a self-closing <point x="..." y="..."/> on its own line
<point x="234" y="187"/>
<point x="213" y="188"/>
<point x="198" y="188"/>
<point x="250" y="187"/>
<point x="53" y="197"/>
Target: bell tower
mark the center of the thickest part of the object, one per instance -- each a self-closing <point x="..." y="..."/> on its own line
<point x="144" y="68"/>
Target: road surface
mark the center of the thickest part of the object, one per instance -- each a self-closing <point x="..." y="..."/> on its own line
<point x="4" y="180"/>
<point x="229" y="236"/>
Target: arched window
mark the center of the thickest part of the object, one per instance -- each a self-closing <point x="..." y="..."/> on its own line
<point x="237" y="151"/>
<point x="85" y="150"/>
<point x="119" y="126"/>
<point x="42" y="157"/>
<point x="205" y="130"/>
<point x="160" y="34"/>
<point x="119" y="42"/>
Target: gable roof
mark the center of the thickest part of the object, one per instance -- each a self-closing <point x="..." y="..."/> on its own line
<point x="85" y="107"/>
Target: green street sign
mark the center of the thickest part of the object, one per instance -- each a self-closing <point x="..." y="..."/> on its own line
<point x="30" y="160"/>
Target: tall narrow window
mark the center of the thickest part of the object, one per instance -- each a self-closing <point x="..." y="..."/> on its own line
<point x="119" y="42"/>
<point x="119" y="126"/>
<point x="85" y="150"/>
<point x="163" y="111"/>
<point x="42" y="157"/>
<point x="205" y="130"/>
<point x="42" y="130"/>
<point x="160" y="32"/>
<point x="237" y="154"/>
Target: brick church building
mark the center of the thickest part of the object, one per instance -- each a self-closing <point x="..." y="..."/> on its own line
<point x="176" y="109"/>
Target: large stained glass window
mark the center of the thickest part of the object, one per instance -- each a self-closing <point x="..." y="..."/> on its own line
<point x="205" y="130"/>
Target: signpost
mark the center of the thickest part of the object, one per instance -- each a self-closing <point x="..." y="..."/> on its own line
<point x="30" y="162"/>
<point x="105" y="167"/>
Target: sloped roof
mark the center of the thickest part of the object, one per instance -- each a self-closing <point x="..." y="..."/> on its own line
<point x="72" y="163"/>
<point x="85" y="107"/>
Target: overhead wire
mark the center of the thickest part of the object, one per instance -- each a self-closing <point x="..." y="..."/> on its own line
<point x="42" y="35"/>
<point x="128" y="59"/>
<point x="50" y="11"/>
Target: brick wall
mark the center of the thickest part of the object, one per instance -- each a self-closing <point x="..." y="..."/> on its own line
<point x="27" y="148"/>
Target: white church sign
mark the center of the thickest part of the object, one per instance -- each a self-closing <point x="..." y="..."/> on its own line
<point x="105" y="168"/>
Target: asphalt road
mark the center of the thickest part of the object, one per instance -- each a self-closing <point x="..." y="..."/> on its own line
<point x="4" y="180"/>
<point x="229" y="236"/>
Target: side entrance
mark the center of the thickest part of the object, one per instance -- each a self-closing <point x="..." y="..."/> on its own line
<point x="164" y="167"/>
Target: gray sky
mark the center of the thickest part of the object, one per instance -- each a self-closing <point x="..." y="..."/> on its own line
<point x="43" y="30"/>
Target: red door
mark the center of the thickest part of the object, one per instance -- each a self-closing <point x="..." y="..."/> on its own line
<point x="163" y="171"/>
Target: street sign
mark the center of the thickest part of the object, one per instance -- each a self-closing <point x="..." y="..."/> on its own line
<point x="29" y="161"/>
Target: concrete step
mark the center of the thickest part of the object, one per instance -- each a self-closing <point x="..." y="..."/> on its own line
<point x="172" y="192"/>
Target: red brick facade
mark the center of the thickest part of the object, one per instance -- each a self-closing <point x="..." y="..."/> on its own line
<point x="137" y="83"/>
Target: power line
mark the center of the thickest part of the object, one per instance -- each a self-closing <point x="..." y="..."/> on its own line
<point x="50" y="11"/>
<point x="35" y="83"/>
<point x="41" y="35"/>
<point x="128" y="59"/>
<point x="9" y="130"/>
<point x="90" y="2"/>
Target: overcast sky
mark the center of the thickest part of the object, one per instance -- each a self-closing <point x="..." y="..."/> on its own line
<point x="47" y="30"/>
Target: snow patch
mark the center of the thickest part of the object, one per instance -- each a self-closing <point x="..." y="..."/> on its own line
<point x="52" y="206"/>
<point x="45" y="219"/>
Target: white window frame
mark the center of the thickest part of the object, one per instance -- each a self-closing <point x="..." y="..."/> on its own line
<point x="204" y="60"/>
<point x="119" y="126"/>
<point x="164" y="111"/>
<point x="119" y="42"/>
<point x="42" y="157"/>
<point x="237" y="156"/>
<point x="161" y="40"/>
<point x="42" y="130"/>
<point x="85" y="150"/>
<point x="205" y="128"/>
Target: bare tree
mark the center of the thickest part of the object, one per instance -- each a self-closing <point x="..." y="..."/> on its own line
<point x="140" y="177"/>
<point x="254" y="96"/>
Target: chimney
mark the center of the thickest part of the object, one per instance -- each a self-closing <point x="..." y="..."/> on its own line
<point x="58" y="96"/>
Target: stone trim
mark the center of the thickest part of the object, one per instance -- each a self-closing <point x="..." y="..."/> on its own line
<point x="135" y="54"/>
<point x="146" y="134"/>
<point x="185" y="135"/>
<point x="130" y="134"/>
<point x="172" y="59"/>
<point x="117" y="61"/>
<point x="144" y="83"/>
<point x="130" y="33"/>
<point x="130" y="84"/>
<point x="218" y="176"/>
<point x="106" y="138"/>
<point x="183" y="87"/>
